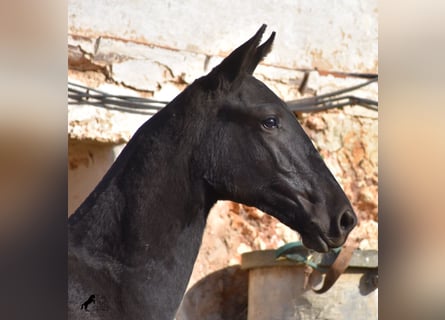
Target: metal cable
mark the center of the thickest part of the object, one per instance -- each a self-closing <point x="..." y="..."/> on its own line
<point x="82" y="95"/>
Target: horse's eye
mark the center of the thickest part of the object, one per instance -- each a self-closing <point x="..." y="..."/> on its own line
<point x="270" y="123"/>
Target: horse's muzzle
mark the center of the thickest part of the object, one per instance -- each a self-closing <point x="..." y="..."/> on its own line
<point x="319" y="237"/>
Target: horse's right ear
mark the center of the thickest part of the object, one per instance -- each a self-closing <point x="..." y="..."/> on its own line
<point x="241" y="61"/>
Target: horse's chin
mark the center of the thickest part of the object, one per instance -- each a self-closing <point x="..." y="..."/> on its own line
<point x="315" y="242"/>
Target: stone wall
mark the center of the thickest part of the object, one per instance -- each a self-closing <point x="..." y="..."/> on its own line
<point x="155" y="49"/>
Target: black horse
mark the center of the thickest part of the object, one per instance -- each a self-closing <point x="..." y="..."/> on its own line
<point x="135" y="239"/>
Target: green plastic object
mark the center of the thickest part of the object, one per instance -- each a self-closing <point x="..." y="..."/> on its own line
<point x="296" y="251"/>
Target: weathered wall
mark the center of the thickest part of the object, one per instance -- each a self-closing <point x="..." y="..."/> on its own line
<point x="327" y="34"/>
<point x="155" y="48"/>
<point x="87" y="164"/>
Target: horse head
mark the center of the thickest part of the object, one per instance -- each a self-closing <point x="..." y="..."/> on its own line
<point x="257" y="153"/>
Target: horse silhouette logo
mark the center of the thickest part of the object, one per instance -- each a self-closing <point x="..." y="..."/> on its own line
<point x="91" y="299"/>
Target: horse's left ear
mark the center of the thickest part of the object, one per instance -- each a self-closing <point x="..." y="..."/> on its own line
<point x="244" y="59"/>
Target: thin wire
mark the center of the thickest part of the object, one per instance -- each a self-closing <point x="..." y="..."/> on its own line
<point x="82" y="95"/>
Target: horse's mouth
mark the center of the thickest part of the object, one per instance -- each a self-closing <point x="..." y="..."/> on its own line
<point x="316" y="243"/>
<point x="313" y="238"/>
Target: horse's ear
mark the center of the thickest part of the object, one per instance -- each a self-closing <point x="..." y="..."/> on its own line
<point x="244" y="59"/>
<point x="260" y="53"/>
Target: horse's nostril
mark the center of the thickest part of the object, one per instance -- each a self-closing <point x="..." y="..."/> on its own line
<point x="348" y="220"/>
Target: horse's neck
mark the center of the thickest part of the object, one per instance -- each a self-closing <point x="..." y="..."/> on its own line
<point x="147" y="217"/>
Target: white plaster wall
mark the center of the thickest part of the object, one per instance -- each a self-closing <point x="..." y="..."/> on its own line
<point x="328" y="34"/>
